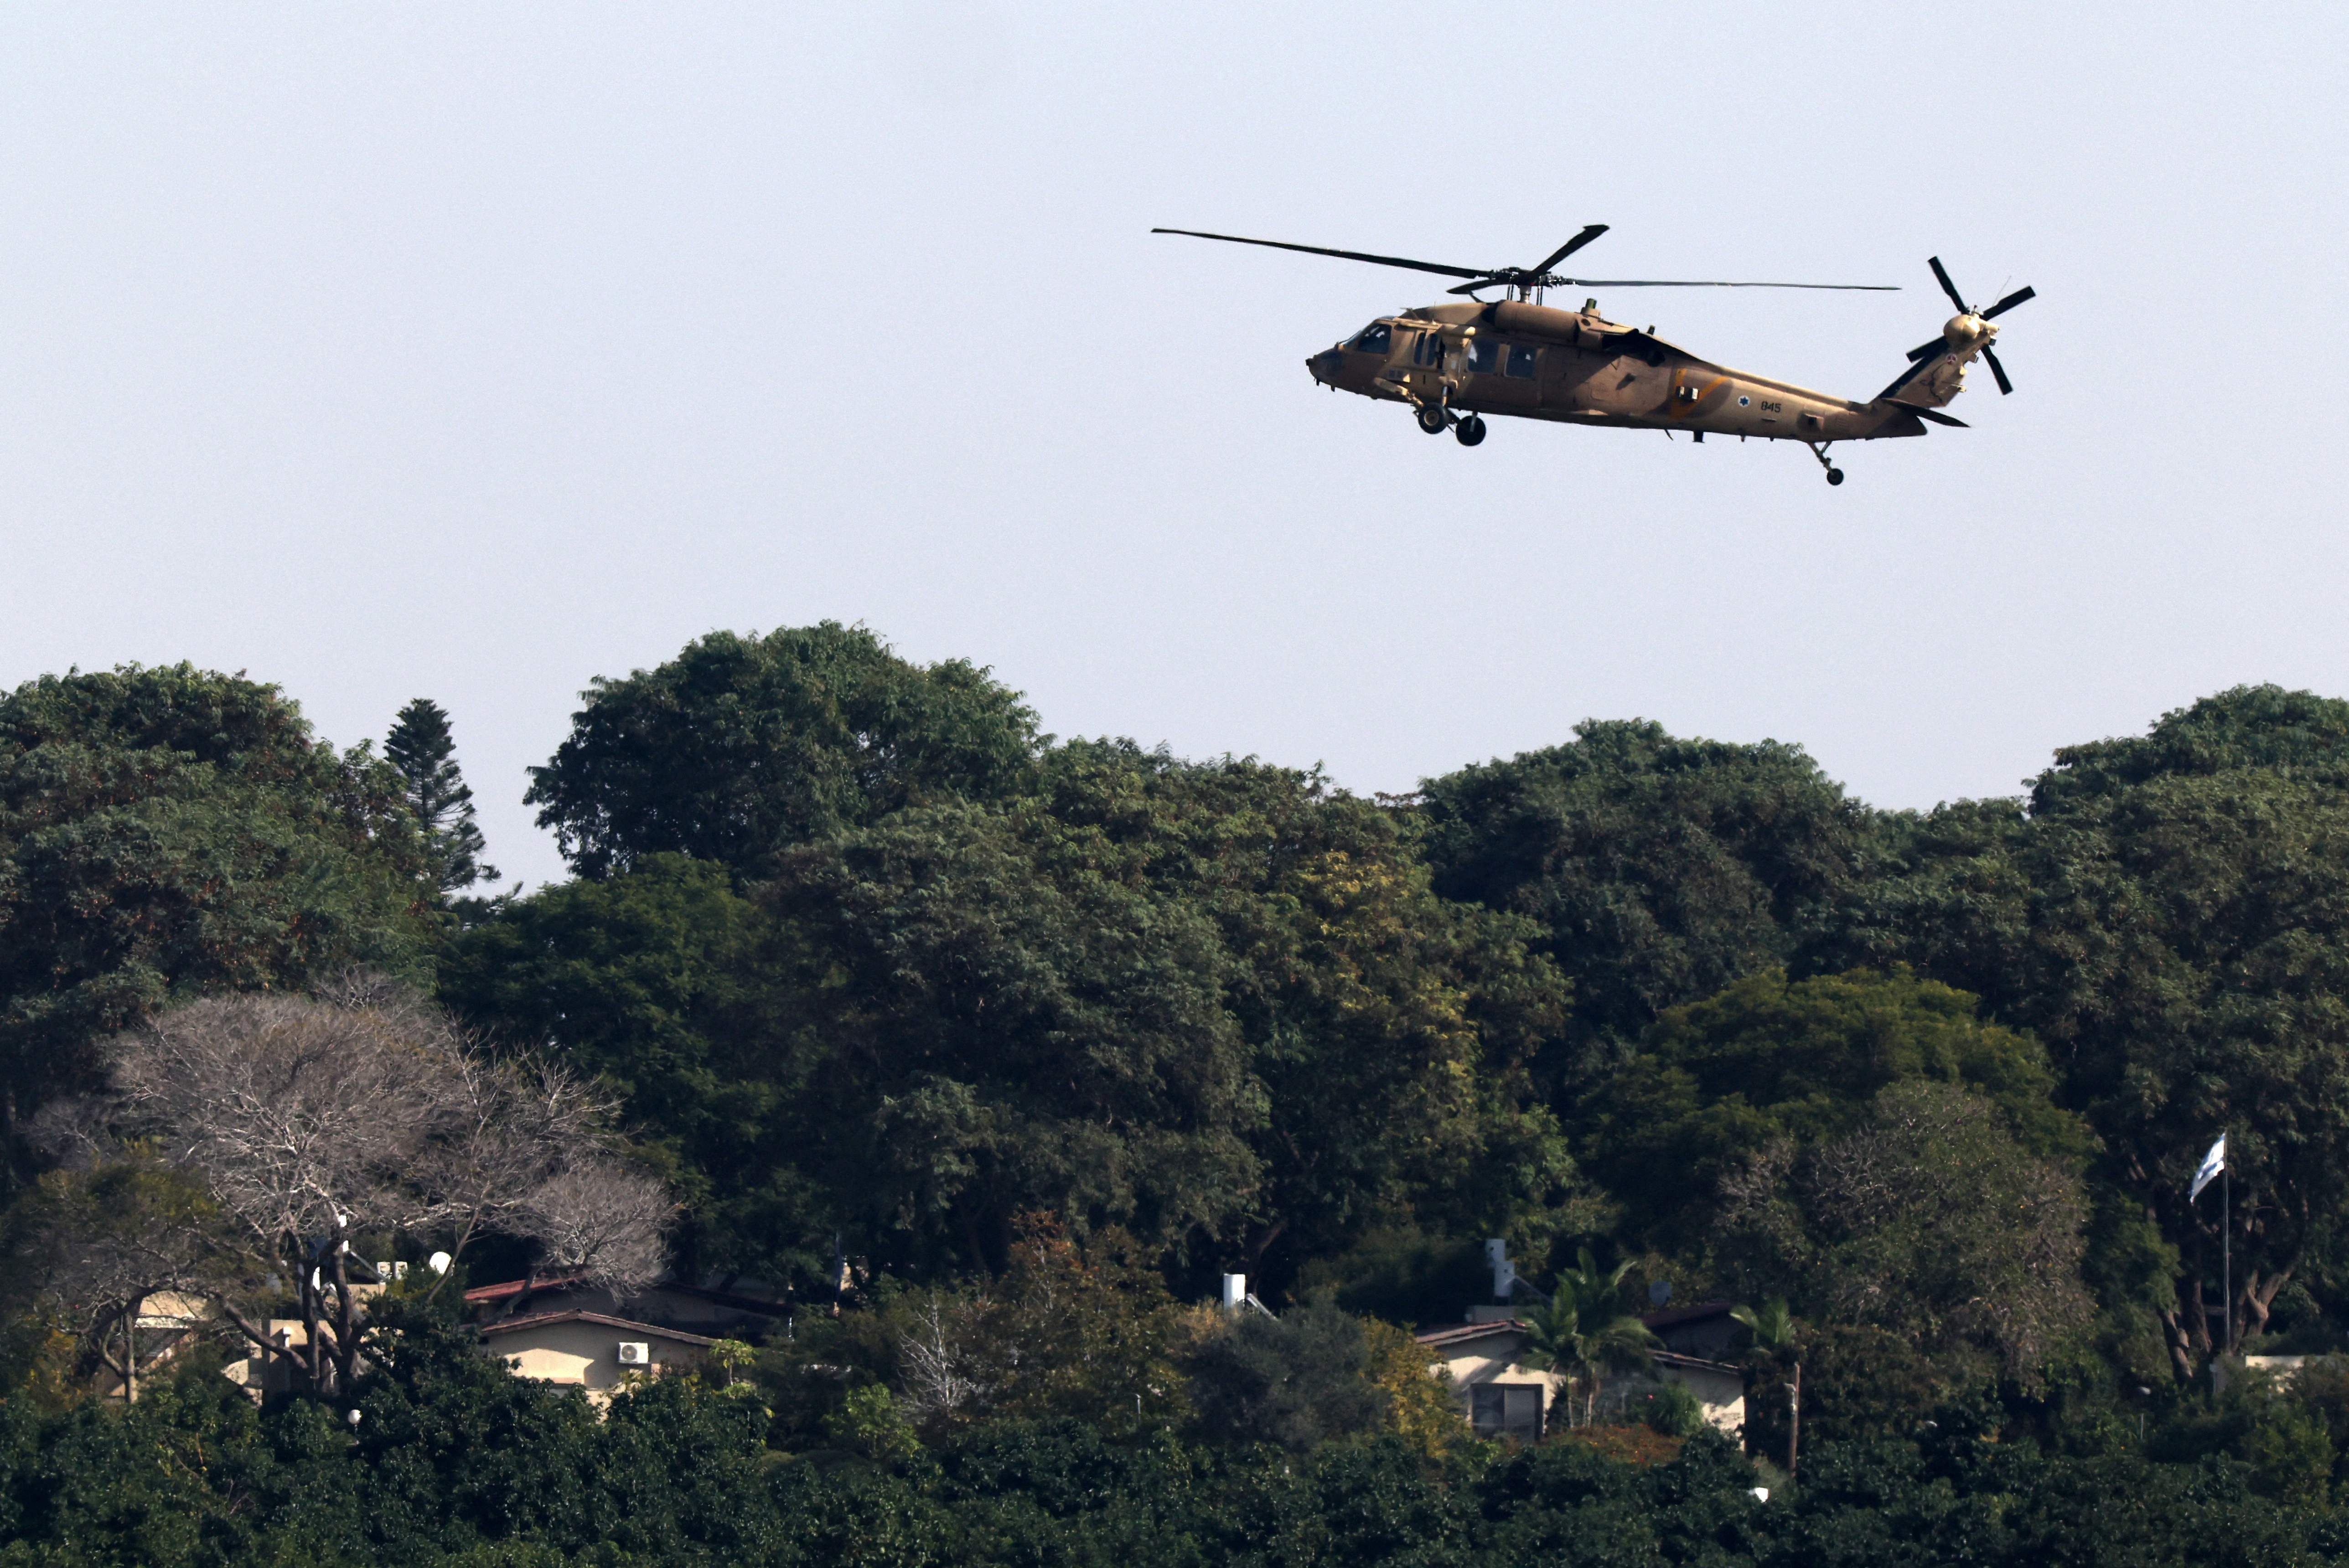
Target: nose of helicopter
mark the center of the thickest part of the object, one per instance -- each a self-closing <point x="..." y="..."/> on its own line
<point x="1324" y="366"/>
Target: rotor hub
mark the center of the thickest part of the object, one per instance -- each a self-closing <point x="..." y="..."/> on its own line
<point x="1967" y="332"/>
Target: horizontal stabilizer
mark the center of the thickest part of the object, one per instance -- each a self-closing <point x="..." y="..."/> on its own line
<point x="1936" y="416"/>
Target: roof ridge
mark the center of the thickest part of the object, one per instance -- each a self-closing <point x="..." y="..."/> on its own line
<point x="604" y="1318"/>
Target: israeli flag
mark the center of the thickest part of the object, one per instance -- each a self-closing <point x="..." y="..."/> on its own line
<point x="2212" y="1164"/>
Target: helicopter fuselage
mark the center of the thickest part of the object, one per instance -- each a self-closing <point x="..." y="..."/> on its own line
<point x="1534" y="362"/>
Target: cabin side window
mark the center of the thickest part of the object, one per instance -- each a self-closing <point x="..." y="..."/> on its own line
<point x="1375" y="338"/>
<point x="1484" y="355"/>
<point x="1506" y="1411"/>
<point x="1429" y="349"/>
<point x="1523" y="357"/>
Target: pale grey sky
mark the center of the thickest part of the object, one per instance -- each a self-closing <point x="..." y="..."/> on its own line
<point x="471" y="350"/>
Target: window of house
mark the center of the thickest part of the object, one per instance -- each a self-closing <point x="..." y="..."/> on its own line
<point x="1507" y="1410"/>
<point x="1375" y="338"/>
<point x="1484" y="355"/>
<point x="1522" y="357"/>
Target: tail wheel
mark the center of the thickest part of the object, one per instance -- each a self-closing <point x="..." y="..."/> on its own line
<point x="1835" y="476"/>
<point x="1471" y="429"/>
<point x="1431" y="419"/>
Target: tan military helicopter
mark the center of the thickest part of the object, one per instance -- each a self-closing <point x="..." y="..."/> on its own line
<point x="1454" y="364"/>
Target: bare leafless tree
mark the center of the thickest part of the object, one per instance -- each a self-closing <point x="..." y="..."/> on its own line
<point x="1928" y="1220"/>
<point x="599" y="1221"/>
<point x="1934" y="1202"/>
<point x="943" y="1369"/>
<point x="100" y="1244"/>
<point x="310" y="1120"/>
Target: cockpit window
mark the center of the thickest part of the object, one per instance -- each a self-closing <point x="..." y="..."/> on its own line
<point x="1374" y="338"/>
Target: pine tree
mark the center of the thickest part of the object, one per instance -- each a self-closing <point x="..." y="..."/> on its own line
<point x="421" y="747"/>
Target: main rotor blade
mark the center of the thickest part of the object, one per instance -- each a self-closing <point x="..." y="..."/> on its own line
<point x="1998" y="370"/>
<point x="1711" y="284"/>
<point x="1948" y="287"/>
<point x="1589" y="233"/>
<point x="2009" y="301"/>
<point x="1342" y="256"/>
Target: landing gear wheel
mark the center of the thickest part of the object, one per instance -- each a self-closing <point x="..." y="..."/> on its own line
<point x="1470" y="430"/>
<point x="1431" y="419"/>
<point x="1835" y="476"/>
<point x="1819" y="450"/>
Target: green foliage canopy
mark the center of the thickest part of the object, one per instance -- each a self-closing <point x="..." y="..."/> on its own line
<point x="742" y="746"/>
<point x="422" y="748"/>
<point x="1210" y="1003"/>
<point x="1659" y="870"/>
<point x="1771" y="1060"/>
<point x="2171" y="915"/>
<point x="658" y="981"/>
<point x="169" y="832"/>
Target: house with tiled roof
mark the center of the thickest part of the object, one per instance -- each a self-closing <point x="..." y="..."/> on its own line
<point x="591" y="1350"/>
<point x="564" y="1330"/>
<point x="1501" y="1396"/>
<point x="1482" y="1359"/>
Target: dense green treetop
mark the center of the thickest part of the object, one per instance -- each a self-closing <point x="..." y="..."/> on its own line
<point x="1770" y="1060"/>
<point x="655" y="982"/>
<point x="2262" y="727"/>
<point x="1215" y="1003"/>
<point x="742" y="746"/>
<point x="1391" y="1028"/>
<point x="167" y="832"/>
<point x="2171" y="917"/>
<point x="1659" y="870"/>
<point x="422" y="748"/>
<point x="1007" y="1032"/>
<point x="2189" y="967"/>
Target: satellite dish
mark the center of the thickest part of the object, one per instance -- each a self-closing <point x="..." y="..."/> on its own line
<point x="439" y="1262"/>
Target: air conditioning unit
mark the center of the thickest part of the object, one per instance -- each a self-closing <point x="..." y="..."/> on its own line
<point x="635" y="1353"/>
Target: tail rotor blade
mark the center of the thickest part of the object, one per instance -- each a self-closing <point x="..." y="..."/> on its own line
<point x="1998" y="370"/>
<point x="1948" y="287"/>
<point x="2009" y="301"/>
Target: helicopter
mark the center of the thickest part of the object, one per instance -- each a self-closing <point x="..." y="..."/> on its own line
<point x="1455" y="363"/>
